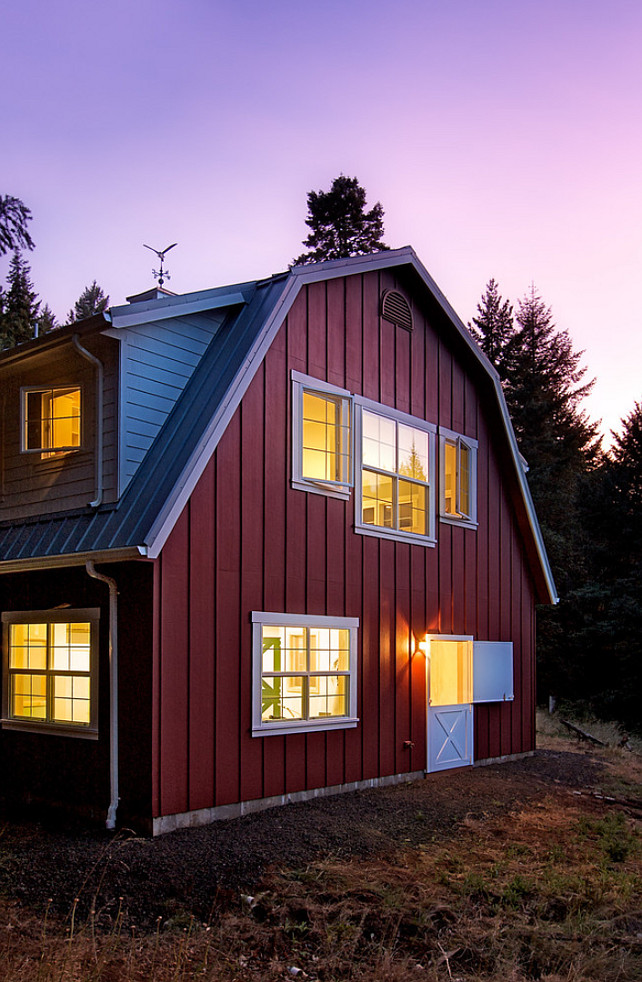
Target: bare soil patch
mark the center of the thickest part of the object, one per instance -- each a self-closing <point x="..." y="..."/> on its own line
<point x="197" y="871"/>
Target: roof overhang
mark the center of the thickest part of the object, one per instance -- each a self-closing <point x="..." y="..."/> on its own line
<point x="72" y="559"/>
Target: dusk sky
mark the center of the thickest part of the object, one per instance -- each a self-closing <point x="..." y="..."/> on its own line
<point x="503" y="139"/>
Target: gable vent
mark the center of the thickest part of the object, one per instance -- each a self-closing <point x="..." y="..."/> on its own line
<point x="396" y="309"/>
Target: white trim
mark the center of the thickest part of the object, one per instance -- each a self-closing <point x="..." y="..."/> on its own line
<point x="133" y="315"/>
<point x="273" y="618"/>
<point x="452" y="437"/>
<point x="72" y="559"/>
<point x="377" y="531"/>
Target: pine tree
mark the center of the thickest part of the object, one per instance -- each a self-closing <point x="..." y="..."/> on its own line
<point x="91" y="301"/>
<point x="46" y="320"/>
<point x="340" y="225"/>
<point x="14" y="216"/>
<point x="494" y="326"/>
<point x="21" y="305"/>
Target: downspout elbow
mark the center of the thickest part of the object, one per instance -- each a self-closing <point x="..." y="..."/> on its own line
<point x="98" y="365"/>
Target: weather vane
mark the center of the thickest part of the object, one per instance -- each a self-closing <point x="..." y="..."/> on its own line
<point x="159" y="274"/>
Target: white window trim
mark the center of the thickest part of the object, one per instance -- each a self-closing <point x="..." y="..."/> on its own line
<point x="451" y="436"/>
<point x="331" y="489"/>
<point x="376" y="531"/>
<point x="271" y="618"/>
<point x="47" y="452"/>
<point x="65" y="615"/>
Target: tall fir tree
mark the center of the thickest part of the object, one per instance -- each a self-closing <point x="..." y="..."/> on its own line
<point x="92" y="300"/>
<point x="21" y="306"/>
<point x="494" y="326"/>
<point x="340" y="226"/>
<point x="46" y="320"/>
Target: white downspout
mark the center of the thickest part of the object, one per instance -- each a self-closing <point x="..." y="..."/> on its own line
<point x="97" y="363"/>
<point x="113" y="690"/>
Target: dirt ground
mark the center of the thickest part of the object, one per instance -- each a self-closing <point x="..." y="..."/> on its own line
<point x="191" y="871"/>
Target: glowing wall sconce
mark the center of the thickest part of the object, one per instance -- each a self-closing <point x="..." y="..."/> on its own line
<point x="422" y="645"/>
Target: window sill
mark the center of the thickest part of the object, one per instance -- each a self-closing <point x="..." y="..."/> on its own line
<point x="49" y="729"/>
<point x="461" y="522"/>
<point x="396" y="535"/>
<point x="327" y="490"/>
<point x="306" y="726"/>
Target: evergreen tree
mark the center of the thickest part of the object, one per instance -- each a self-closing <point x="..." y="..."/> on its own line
<point x="91" y="301"/>
<point x="544" y="390"/>
<point x="20" y="307"/>
<point x="14" y="216"/>
<point x="340" y="225"/>
<point x="46" y="320"/>
<point x="494" y="326"/>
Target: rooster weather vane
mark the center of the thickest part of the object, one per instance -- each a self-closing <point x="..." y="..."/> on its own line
<point x="160" y="274"/>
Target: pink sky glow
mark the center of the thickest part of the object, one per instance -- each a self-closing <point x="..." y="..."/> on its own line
<point x="503" y="140"/>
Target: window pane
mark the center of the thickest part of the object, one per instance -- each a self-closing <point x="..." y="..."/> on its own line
<point x="296" y="650"/>
<point x="71" y="699"/>
<point x="282" y="698"/>
<point x="450" y="478"/>
<point x="28" y="646"/>
<point x="65" y="413"/>
<point x="413" y="453"/>
<point x="464" y="480"/>
<point x="377" y="499"/>
<point x="325" y="438"/>
<point x="412" y="507"/>
<point x="29" y="696"/>
<point x="328" y="696"/>
<point x="379" y="442"/>
<point x="70" y="649"/>
<point x="273" y="641"/>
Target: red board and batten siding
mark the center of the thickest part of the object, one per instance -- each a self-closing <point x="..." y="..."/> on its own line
<point x="247" y="541"/>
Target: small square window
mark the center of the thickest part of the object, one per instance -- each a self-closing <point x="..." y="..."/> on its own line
<point x="51" y="420"/>
<point x="50" y="670"/>
<point x="304" y="673"/>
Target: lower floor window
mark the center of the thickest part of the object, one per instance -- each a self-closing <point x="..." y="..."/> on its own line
<point x="50" y="669"/>
<point x="304" y="672"/>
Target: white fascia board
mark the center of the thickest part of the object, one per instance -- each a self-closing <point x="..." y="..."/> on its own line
<point x="130" y="318"/>
<point x="72" y="559"/>
<point x="177" y="499"/>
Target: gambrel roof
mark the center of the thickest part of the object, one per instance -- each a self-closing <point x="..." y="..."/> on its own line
<point x="141" y="521"/>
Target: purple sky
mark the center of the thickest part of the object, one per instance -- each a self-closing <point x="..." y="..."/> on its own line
<point x="502" y="138"/>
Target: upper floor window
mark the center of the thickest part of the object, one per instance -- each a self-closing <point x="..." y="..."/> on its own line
<point x="396" y="493"/>
<point x="321" y="437"/>
<point x="458" y="467"/>
<point x="50" y="670"/>
<point x="304" y="672"/>
<point x="51" y="419"/>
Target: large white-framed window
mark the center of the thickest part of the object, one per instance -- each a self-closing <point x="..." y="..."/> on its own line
<point x="458" y="478"/>
<point x="321" y="437"/>
<point x="50" y="671"/>
<point x="395" y="480"/>
<point x="304" y="673"/>
<point x="51" y="419"/>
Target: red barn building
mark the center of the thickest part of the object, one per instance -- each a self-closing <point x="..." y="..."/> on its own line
<point x="258" y="543"/>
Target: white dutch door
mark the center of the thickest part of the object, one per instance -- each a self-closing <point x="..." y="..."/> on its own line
<point x="450" y="711"/>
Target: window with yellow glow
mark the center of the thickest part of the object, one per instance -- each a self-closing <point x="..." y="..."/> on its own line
<point x="395" y="475"/>
<point x="50" y="669"/>
<point x="458" y="478"/>
<point x="326" y="438"/>
<point x="305" y="671"/>
<point x="51" y="420"/>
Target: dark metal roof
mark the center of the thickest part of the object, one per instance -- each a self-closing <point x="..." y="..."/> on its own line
<point x="126" y="524"/>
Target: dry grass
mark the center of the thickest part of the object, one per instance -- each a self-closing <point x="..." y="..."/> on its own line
<point x="553" y="892"/>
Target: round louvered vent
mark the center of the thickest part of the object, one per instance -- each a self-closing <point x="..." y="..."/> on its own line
<point x="396" y="309"/>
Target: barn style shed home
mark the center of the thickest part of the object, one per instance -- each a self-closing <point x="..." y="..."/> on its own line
<point x="259" y="543"/>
